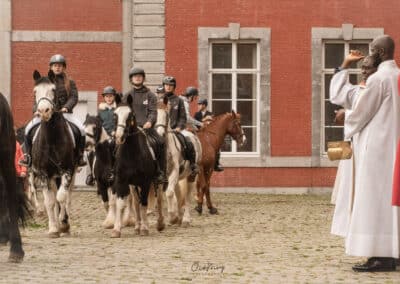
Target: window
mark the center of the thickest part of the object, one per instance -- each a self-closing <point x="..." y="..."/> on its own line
<point x="234" y="84"/>
<point x="333" y="54"/>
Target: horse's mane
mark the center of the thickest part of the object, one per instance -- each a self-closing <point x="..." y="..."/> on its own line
<point x="214" y="120"/>
<point x="10" y="194"/>
<point x="91" y="119"/>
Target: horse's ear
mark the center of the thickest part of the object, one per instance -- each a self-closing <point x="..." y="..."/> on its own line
<point x="51" y="76"/>
<point x="36" y="75"/>
<point x="118" y="98"/>
<point x="233" y="114"/>
<point x="129" y="99"/>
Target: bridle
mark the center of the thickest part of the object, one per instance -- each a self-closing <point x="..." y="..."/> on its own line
<point x="127" y="130"/>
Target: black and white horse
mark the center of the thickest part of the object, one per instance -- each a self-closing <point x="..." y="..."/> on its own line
<point x="13" y="206"/>
<point x="54" y="160"/>
<point x="100" y="143"/>
<point x="135" y="171"/>
<point x="180" y="184"/>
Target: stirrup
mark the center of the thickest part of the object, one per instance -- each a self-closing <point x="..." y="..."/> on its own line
<point x="26" y="161"/>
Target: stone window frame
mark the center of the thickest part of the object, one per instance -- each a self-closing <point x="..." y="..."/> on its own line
<point x="318" y="35"/>
<point x="234" y="32"/>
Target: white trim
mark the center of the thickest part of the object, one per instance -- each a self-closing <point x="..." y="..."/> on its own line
<point x="66" y="36"/>
<point x="5" y="48"/>
<point x="263" y="37"/>
<point x="274" y="190"/>
<point x="318" y="36"/>
<point x="234" y="71"/>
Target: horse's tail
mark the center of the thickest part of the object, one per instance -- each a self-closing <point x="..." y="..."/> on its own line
<point x="12" y="198"/>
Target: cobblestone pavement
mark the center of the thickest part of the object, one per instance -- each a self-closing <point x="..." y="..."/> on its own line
<point x="255" y="239"/>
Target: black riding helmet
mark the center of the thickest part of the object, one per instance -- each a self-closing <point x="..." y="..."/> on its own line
<point x="58" y="58"/>
<point x="109" y="90"/>
<point x="136" y="71"/>
<point x="202" y="102"/>
<point x="191" y="92"/>
<point x="160" y="90"/>
<point x="169" y="80"/>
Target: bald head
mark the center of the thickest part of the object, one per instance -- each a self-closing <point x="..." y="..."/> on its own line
<point x="382" y="48"/>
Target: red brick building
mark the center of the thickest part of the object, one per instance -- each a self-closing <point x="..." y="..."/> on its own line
<point x="269" y="60"/>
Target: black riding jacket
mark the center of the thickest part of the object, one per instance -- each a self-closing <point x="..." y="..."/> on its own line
<point x="144" y="104"/>
<point x="177" y="113"/>
<point x="63" y="98"/>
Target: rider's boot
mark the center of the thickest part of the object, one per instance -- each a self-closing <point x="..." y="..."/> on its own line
<point x="162" y="166"/>
<point x="27" y="159"/>
<point x="192" y="159"/>
<point x="217" y="166"/>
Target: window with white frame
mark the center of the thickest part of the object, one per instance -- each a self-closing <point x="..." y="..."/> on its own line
<point x="234" y="76"/>
<point x="333" y="54"/>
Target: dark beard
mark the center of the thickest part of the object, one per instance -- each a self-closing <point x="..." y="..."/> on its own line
<point x="377" y="60"/>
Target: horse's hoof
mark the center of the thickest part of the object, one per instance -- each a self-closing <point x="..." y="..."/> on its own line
<point x="213" y="211"/>
<point x="185" y="224"/>
<point x="16" y="257"/>
<point x="108" y="225"/>
<point x="174" y="220"/>
<point x="129" y="223"/>
<point x="199" y="209"/>
<point x="3" y="241"/>
<point x="137" y="231"/>
<point x="144" y="232"/>
<point x="160" y="226"/>
<point x="115" y="234"/>
<point x="64" y="228"/>
<point x="54" y="235"/>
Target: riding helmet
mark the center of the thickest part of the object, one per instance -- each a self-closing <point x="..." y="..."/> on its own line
<point x="58" y="58"/>
<point x="109" y="90"/>
<point x="202" y="102"/>
<point x="136" y="71"/>
<point x="169" y="80"/>
<point x="191" y="92"/>
<point x="160" y="90"/>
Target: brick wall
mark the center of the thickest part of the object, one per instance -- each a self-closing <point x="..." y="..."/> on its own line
<point x="92" y="65"/>
<point x="69" y="15"/>
<point x="290" y="23"/>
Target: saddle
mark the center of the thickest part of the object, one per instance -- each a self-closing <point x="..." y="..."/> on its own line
<point x="184" y="141"/>
<point x="155" y="141"/>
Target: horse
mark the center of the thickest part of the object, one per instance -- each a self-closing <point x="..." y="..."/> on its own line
<point x="180" y="185"/>
<point x="54" y="161"/>
<point x="13" y="204"/>
<point x="135" y="171"/>
<point x="98" y="141"/>
<point x="212" y="137"/>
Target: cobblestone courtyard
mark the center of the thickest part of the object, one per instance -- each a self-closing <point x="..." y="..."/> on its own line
<point x="255" y="239"/>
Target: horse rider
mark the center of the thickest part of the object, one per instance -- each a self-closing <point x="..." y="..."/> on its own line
<point x="106" y="113"/>
<point x="205" y="115"/>
<point x="190" y="94"/>
<point x="178" y="119"/>
<point x="66" y="98"/>
<point x="144" y="105"/>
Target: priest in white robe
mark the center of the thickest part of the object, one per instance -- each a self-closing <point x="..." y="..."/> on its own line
<point x="345" y="94"/>
<point x="374" y="223"/>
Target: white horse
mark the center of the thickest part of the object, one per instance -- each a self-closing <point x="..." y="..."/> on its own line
<point x="180" y="185"/>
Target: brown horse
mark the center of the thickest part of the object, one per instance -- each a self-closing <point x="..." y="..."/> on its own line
<point x="211" y="138"/>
